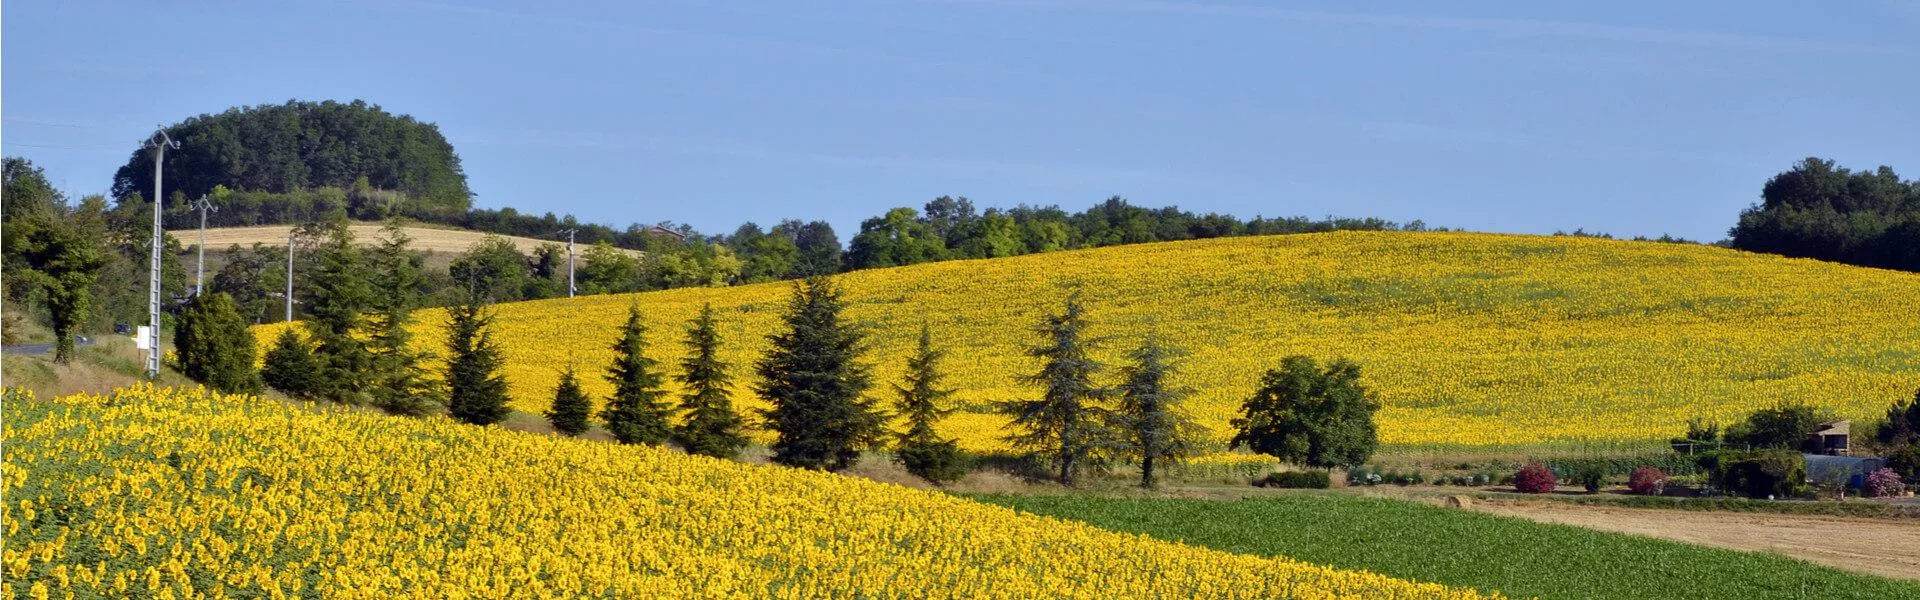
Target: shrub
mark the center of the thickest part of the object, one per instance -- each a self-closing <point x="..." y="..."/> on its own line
<point x="1758" y="474"/>
<point x="1534" y="478"/>
<point x="1905" y="461"/>
<point x="1590" y="478"/>
<point x="1882" y="483"/>
<point x="1648" y="481"/>
<point x="1295" y="479"/>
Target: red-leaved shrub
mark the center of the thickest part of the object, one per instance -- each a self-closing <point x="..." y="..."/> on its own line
<point x="1648" y="481"/>
<point x="1535" y="478"/>
<point x="1883" y="483"/>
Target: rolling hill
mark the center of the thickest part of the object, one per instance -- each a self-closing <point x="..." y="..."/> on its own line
<point x="1471" y="340"/>
<point x="438" y="240"/>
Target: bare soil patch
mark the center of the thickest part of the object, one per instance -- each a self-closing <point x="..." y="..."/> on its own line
<point x="1884" y="547"/>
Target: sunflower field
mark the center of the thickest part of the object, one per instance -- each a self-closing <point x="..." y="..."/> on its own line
<point x="1472" y="340"/>
<point x="165" y="493"/>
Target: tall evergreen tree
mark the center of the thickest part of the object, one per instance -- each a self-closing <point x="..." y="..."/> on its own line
<point x="571" y="410"/>
<point x="637" y="413"/>
<point x="1066" y="426"/>
<point x="290" y="366"/>
<point x="920" y="448"/>
<point x="1151" y="422"/>
<point x="712" y="428"/>
<point x="476" y="391"/>
<point x="817" y="386"/>
<point x="214" y="345"/>
<point x="337" y="299"/>
<point x="396" y="384"/>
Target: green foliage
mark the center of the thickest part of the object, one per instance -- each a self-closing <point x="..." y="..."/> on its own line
<point x="256" y="279"/>
<point x="1516" y="557"/>
<point x="607" y="270"/>
<point x="215" y="346"/>
<point x="812" y="376"/>
<point x="1066" y="427"/>
<point x="290" y="366"/>
<point x="637" y="413"/>
<point x="1906" y="462"/>
<point x="898" y="238"/>
<point x="1296" y="480"/>
<point x="337" y="299"/>
<point x="711" y="428"/>
<point x="1304" y="415"/>
<point x="396" y="279"/>
<point x="1819" y="210"/>
<point x="1902" y="424"/>
<point x="50" y="252"/>
<point x="571" y="409"/>
<point x="920" y="448"/>
<point x="476" y="390"/>
<point x="492" y="270"/>
<point x="1758" y="473"/>
<point x="304" y="145"/>
<point x="1783" y="426"/>
<point x="1152" y="425"/>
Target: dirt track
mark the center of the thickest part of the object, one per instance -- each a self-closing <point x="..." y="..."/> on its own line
<point x="1887" y="548"/>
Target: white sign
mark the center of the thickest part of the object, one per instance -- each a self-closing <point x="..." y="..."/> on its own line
<point x="140" y="338"/>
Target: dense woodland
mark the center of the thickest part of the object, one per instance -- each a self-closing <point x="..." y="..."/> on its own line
<point x="1824" y="211"/>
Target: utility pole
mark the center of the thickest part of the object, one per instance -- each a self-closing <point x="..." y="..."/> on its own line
<point x="200" y="266"/>
<point x="159" y="143"/>
<point x="570" y="287"/>
<point x="290" y="275"/>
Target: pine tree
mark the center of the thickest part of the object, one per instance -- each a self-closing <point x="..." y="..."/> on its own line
<point x="290" y="366"/>
<point x="811" y="375"/>
<point x="712" y="428"/>
<point x="215" y="346"/>
<point x="337" y="297"/>
<point x="396" y="384"/>
<point x="637" y="413"/>
<point x="1152" y="425"/>
<point x="476" y="391"/>
<point x="571" y="410"/>
<point x="921" y="449"/>
<point x="1066" y="426"/>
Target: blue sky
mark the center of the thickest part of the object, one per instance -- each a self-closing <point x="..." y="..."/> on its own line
<point x="1629" y="117"/>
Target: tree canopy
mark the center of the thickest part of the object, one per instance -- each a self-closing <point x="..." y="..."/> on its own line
<point x="1821" y="210"/>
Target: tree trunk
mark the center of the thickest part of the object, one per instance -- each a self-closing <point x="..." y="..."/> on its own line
<point x="1146" y="471"/>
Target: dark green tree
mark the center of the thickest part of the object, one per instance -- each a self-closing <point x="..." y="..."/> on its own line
<point x="922" y="403"/>
<point x="476" y="390"/>
<point x="48" y="251"/>
<point x="290" y="366"/>
<point x="637" y="413"/>
<point x="1820" y="210"/>
<point x="711" y="428"/>
<point x="819" y="247"/>
<point x="337" y="301"/>
<point x="215" y="346"/>
<point x="1154" y="428"/>
<point x="493" y="269"/>
<point x="1787" y="425"/>
<point x="396" y="384"/>
<point x="1304" y="415"/>
<point x="813" y="378"/>
<point x="1902" y="426"/>
<point x="1067" y="426"/>
<point x="571" y="410"/>
<point x="898" y="238"/>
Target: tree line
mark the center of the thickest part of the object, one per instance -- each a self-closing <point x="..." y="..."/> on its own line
<point x="1820" y="210"/>
<point x="354" y="348"/>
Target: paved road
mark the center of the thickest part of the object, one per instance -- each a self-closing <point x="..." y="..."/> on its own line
<point x="35" y="349"/>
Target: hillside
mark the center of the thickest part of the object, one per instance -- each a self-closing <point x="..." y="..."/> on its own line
<point x="1469" y="339"/>
<point x="179" y="494"/>
<point x="433" y="239"/>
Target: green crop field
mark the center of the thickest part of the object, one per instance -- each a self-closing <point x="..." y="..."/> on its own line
<point x="1426" y="543"/>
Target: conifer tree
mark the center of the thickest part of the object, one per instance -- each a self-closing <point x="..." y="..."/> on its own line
<point x="395" y="382"/>
<point x="476" y="391"/>
<point x="571" y="410"/>
<point x="1152" y="425"/>
<point x="290" y="366"/>
<point x="214" y="345"/>
<point x="637" y="413"/>
<point x="712" y="428"/>
<point x="920" y="448"/>
<point x="336" y="299"/>
<point x="813" y="378"/>
<point x="1066" y="427"/>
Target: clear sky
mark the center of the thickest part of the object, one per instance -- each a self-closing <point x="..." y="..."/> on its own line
<point x="1629" y="117"/>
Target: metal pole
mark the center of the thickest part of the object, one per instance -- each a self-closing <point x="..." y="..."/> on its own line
<point x="153" y="274"/>
<point x="570" y="287"/>
<point x="290" y="275"/>
<point x="200" y="266"/>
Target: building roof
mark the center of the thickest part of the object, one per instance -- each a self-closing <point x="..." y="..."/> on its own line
<point x="1840" y="427"/>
